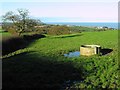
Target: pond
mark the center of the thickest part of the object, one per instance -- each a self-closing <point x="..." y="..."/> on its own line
<point x="72" y="54"/>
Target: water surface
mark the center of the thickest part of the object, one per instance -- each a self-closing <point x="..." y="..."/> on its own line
<point x="72" y="54"/>
<point x="93" y="24"/>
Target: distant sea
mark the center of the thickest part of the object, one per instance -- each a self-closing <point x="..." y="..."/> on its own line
<point x="89" y="24"/>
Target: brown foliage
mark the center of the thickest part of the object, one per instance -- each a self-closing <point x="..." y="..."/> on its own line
<point x="58" y="30"/>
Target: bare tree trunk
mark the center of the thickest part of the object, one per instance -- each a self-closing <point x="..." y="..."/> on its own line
<point x="20" y="33"/>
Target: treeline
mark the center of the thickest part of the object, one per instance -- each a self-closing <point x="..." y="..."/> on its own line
<point x="11" y="28"/>
<point x="64" y="29"/>
<point x="53" y="29"/>
<point x="43" y="28"/>
<point x="21" y="23"/>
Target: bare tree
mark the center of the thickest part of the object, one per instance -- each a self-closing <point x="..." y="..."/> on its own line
<point x="21" y="21"/>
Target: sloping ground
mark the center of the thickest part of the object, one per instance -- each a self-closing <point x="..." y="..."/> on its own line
<point x="4" y="35"/>
<point x="12" y="42"/>
<point x="42" y="64"/>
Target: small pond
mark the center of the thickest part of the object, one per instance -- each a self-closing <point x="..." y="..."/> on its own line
<point x="72" y="54"/>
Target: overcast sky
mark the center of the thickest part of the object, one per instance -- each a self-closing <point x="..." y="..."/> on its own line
<point x="66" y="10"/>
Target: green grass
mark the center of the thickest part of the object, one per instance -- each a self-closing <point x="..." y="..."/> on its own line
<point x="0" y="26"/>
<point x="5" y="35"/>
<point x="83" y="29"/>
<point x="42" y="63"/>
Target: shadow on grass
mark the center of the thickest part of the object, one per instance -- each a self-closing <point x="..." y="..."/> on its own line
<point x="106" y="51"/>
<point x="33" y="70"/>
<point x="67" y="36"/>
<point x="16" y="42"/>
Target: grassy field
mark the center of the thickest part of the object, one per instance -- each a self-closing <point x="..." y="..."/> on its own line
<point x="42" y="64"/>
<point x="4" y="35"/>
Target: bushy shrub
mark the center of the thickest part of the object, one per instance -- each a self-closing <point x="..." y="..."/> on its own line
<point x="58" y="30"/>
<point x="12" y="31"/>
<point x="41" y="30"/>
